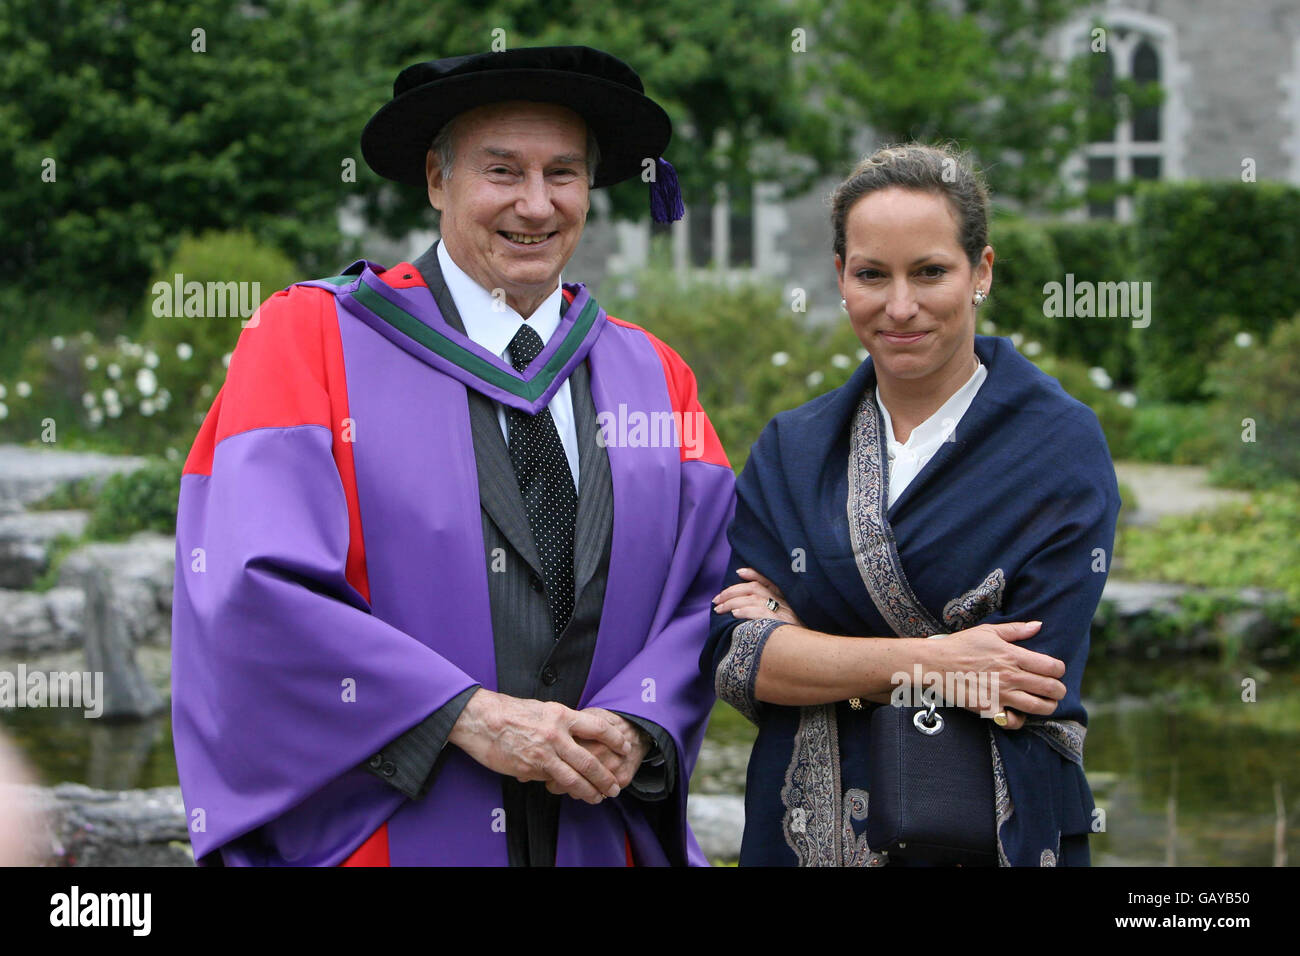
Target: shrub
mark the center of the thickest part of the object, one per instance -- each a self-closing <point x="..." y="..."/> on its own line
<point x="147" y="395"/>
<point x="1216" y="254"/>
<point x="27" y="316"/>
<point x="141" y="500"/>
<point x="106" y="396"/>
<point x="752" y="356"/>
<point x="191" y="349"/>
<point x="1257" y="391"/>
<point x="1172" y="433"/>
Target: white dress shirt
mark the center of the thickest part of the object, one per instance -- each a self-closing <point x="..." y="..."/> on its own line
<point x="492" y="323"/>
<point x="906" y="459"/>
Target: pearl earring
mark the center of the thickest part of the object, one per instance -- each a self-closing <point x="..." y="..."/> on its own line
<point x="979" y="296"/>
<point x="844" y="304"/>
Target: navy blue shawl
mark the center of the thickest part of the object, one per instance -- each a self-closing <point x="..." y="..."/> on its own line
<point x="1011" y="520"/>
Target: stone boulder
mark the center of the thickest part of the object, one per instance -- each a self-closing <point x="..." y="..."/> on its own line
<point x="25" y="540"/>
<point x="75" y="825"/>
<point x="30" y="474"/>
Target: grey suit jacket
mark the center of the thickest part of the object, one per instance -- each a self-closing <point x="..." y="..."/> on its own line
<point x="531" y="660"/>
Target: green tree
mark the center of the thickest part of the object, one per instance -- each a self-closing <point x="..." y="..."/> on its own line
<point x="979" y="72"/>
<point x="131" y="123"/>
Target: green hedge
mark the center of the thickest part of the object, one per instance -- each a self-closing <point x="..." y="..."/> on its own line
<point x="1222" y="259"/>
<point x="1096" y="251"/>
<point x="1028" y="255"/>
<point x="1024" y="258"/>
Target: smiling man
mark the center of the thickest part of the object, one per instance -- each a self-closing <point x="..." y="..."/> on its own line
<point x="425" y="611"/>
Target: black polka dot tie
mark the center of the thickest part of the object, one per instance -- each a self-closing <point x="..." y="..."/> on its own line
<point x="546" y="484"/>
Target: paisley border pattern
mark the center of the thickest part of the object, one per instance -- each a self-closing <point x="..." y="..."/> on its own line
<point x="977" y="603"/>
<point x="811" y="794"/>
<point x="874" y="547"/>
<point x="738" y="669"/>
<point x="856" y="852"/>
<point x="1064" y="736"/>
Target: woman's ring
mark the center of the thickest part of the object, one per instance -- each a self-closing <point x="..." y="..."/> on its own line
<point x="772" y="604"/>
<point x="1000" y="718"/>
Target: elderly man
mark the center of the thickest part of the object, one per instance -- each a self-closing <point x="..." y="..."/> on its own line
<point x="449" y="533"/>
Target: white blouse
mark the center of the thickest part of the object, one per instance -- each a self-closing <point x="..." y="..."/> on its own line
<point x="906" y="459"/>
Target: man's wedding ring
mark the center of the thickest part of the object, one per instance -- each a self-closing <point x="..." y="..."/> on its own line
<point x="773" y="605"/>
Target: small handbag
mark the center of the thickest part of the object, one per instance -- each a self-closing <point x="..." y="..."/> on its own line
<point x="931" y="786"/>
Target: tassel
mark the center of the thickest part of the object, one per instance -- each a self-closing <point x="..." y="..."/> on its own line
<point x="665" y="193"/>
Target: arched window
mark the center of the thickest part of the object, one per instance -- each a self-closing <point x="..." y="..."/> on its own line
<point x="1136" y="115"/>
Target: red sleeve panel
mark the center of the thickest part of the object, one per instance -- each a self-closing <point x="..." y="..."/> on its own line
<point x="684" y="395"/>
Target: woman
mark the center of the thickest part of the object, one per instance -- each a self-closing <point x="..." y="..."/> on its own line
<point x="948" y="488"/>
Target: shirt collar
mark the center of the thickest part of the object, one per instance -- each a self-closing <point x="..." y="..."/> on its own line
<point x="932" y="432"/>
<point x="490" y="322"/>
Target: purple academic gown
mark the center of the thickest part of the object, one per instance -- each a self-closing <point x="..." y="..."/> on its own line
<point x="331" y="586"/>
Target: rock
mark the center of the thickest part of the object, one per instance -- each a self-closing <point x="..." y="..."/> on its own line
<point x="67" y="607"/>
<point x="80" y="826"/>
<point x="29" y="474"/>
<point x="33" y="622"/>
<point x="718" y="822"/>
<point x="1134" y="598"/>
<point x="25" y="540"/>
<point x="141" y="570"/>
<point x="110" y="648"/>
